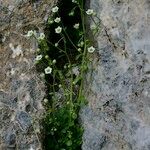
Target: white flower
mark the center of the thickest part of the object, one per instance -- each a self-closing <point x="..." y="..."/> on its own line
<point x="57" y="20"/>
<point x="45" y="100"/>
<point x="38" y="57"/>
<point x="17" y="51"/>
<point x="58" y="29"/>
<point x="42" y="36"/>
<point x="50" y="21"/>
<point x="46" y="56"/>
<point x="30" y="33"/>
<point x="56" y="44"/>
<point x="79" y="49"/>
<point x="38" y="50"/>
<point x="91" y="49"/>
<point x="60" y="85"/>
<point x="74" y="1"/>
<point x="12" y="71"/>
<point x="76" y="26"/>
<point x="71" y="13"/>
<point x="90" y="12"/>
<point x="55" y="9"/>
<point x="48" y="70"/>
<point x="54" y="61"/>
<point x="35" y="33"/>
<point x="81" y="44"/>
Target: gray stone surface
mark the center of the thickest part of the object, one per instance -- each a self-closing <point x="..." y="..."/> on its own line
<point x="21" y="89"/>
<point x="118" y="114"/>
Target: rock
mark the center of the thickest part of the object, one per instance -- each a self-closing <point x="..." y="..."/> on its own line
<point x="21" y="89"/>
<point x="10" y="139"/>
<point x="24" y="120"/>
<point x="119" y="86"/>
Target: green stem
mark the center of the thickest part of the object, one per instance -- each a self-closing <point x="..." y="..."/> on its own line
<point x="84" y="52"/>
<point x="71" y="81"/>
<point x="68" y="35"/>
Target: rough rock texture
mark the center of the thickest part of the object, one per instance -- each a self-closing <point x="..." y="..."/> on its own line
<point x="21" y="90"/>
<point x="118" y="114"/>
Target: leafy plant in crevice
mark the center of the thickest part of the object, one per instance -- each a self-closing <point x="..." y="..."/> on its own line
<point x="62" y="59"/>
<point x="61" y="123"/>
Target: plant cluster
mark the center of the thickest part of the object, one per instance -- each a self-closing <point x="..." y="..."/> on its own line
<point x="62" y="60"/>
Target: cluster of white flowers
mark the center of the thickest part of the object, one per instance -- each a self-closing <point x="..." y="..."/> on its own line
<point x="76" y="26"/>
<point x="58" y="29"/>
<point x="57" y="20"/>
<point x="91" y="49"/>
<point x="31" y="33"/>
<point x="90" y="12"/>
<point x="48" y="70"/>
<point x="55" y="9"/>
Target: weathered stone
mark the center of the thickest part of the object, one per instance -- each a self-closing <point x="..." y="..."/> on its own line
<point x="119" y="86"/>
<point x="24" y="120"/>
<point x="21" y="89"/>
<point x="10" y="139"/>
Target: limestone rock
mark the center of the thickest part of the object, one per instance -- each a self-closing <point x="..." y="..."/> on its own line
<point x="21" y="88"/>
<point x="118" y="113"/>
